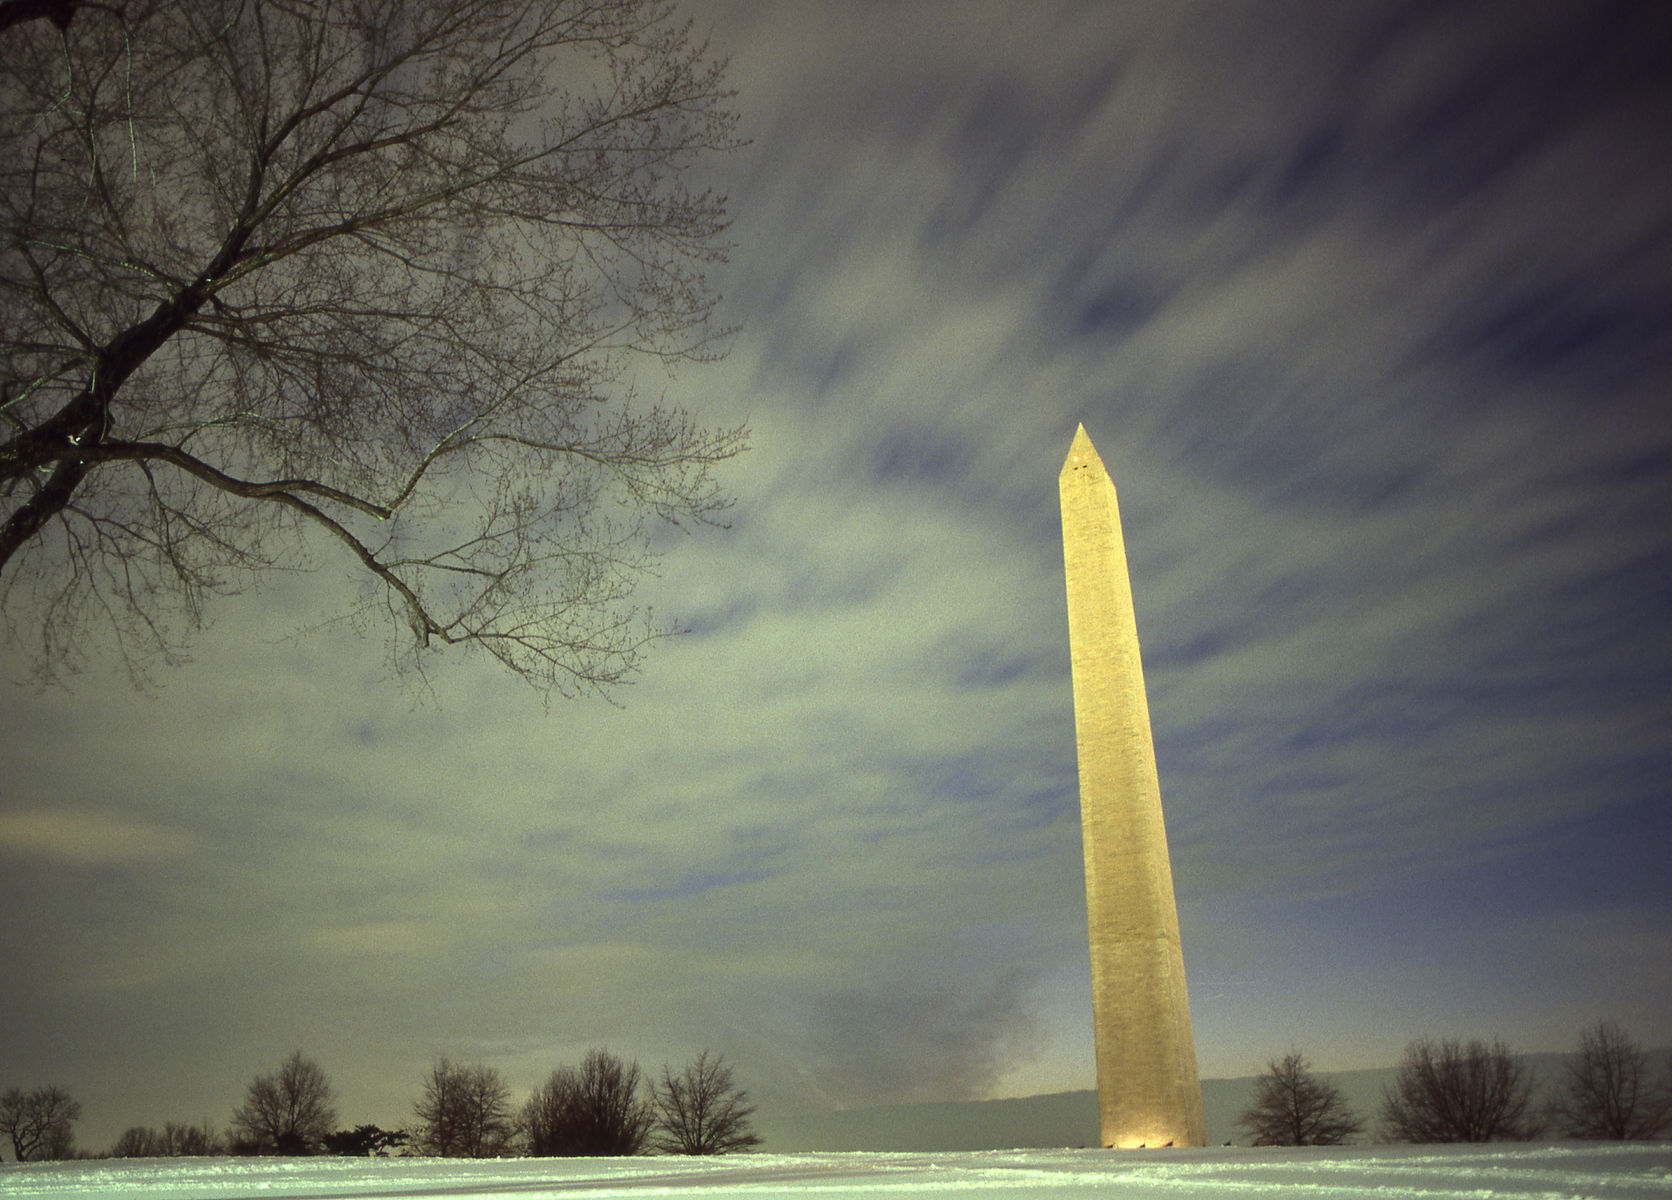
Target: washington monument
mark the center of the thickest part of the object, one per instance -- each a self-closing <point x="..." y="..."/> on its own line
<point x="1148" y="1093"/>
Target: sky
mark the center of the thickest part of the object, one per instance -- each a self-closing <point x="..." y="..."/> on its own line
<point x="1368" y="309"/>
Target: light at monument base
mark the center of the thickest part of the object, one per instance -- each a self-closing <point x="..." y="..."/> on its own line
<point x="1152" y="1139"/>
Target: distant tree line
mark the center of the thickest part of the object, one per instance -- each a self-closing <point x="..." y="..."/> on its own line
<point x="1453" y="1091"/>
<point x="171" y="1141"/>
<point x="1443" y="1091"/>
<point x="602" y="1106"/>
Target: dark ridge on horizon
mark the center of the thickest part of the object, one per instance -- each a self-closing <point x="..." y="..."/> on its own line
<point x="1061" y="1119"/>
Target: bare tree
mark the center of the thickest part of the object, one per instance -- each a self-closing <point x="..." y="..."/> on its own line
<point x="286" y="1112"/>
<point x="359" y="284"/>
<point x="1607" y="1092"/>
<point x="38" y="1123"/>
<point x="1293" y="1107"/>
<point x="465" y="1112"/>
<point x="1452" y="1092"/>
<point x="701" y="1110"/>
<point x="548" y="1116"/>
<point x="596" y="1109"/>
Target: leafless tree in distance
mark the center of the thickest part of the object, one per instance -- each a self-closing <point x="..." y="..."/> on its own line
<point x="1607" y="1091"/>
<point x="548" y="1120"/>
<point x="354" y="284"/>
<point x="137" y="1141"/>
<point x="286" y="1112"/>
<point x="701" y="1110"/>
<point x="183" y="1141"/>
<point x="465" y="1112"/>
<point x="39" y="1123"/>
<point x="171" y="1141"/>
<point x="1455" y="1092"/>
<point x="595" y="1109"/>
<point x="1293" y="1107"/>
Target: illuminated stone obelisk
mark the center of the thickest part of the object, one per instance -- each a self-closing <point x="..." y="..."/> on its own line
<point x="1148" y="1092"/>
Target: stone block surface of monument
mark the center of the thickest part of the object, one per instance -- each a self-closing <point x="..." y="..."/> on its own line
<point x="1148" y="1090"/>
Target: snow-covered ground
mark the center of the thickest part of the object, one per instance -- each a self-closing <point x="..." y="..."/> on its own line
<point x="1500" y="1172"/>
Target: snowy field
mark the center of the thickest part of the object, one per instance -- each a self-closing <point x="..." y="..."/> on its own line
<point x="1499" y="1172"/>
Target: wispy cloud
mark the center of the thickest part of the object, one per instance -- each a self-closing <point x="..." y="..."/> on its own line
<point x="87" y="839"/>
